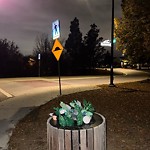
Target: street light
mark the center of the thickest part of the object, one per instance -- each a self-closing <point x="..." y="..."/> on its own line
<point x="112" y="47"/>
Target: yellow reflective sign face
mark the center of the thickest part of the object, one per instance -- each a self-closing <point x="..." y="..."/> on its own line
<point x="57" y="49"/>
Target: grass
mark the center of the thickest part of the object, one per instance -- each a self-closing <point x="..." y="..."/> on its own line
<point x="126" y="108"/>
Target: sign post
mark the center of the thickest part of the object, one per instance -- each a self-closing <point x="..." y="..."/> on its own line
<point x="112" y="48"/>
<point x="57" y="51"/>
<point x="59" y="77"/>
<point x="39" y="58"/>
<point x="111" y="43"/>
<point x="57" y="47"/>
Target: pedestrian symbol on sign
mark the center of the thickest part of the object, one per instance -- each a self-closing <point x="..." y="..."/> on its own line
<point x="56" y="29"/>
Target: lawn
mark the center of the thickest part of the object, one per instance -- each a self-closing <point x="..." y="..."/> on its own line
<point x="126" y="108"/>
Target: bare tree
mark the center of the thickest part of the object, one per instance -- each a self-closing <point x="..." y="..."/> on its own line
<point x="42" y="44"/>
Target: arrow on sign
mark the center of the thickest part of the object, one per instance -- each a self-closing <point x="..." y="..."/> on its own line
<point x="57" y="49"/>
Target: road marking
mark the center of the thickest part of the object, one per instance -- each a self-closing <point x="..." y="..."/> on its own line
<point x="5" y="93"/>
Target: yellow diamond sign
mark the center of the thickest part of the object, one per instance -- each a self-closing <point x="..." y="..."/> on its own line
<point x="57" y="49"/>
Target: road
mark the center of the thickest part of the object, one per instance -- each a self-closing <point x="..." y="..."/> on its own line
<point x="18" y="96"/>
<point x="12" y="87"/>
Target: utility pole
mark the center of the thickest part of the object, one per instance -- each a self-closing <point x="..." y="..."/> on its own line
<point x="112" y="48"/>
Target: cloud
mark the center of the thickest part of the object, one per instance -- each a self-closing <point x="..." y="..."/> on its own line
<point x="22" y="21"/>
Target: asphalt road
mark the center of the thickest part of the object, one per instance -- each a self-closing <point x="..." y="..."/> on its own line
<point x="12" y="87"/>
<point x="18" y="96"/>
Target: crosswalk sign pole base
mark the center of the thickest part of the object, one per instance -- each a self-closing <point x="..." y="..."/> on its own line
<point x="59" y="78"/>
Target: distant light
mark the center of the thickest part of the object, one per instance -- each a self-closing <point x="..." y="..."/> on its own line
<point x="106" y="43"/>
<point x="114" y="40"/>
<point x="39" y="56"/>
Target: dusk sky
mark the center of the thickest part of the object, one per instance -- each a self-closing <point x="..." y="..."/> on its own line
<point x="22" y="20"/>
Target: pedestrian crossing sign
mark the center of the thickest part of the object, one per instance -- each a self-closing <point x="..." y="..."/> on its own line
<point x="56" y="29"/>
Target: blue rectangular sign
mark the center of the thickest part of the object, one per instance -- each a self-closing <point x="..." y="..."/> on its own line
<point x="56" y="29"/>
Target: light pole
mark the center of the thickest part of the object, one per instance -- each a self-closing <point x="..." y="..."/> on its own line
<point x="39" y="58"/>
<point x="112" y="47"/>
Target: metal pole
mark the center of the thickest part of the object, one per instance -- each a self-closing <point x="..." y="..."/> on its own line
<point x="59" y="77"/>
<point x="39" y="67"/>
<point x="39" y="58"/>
<point x="112" y="47"/>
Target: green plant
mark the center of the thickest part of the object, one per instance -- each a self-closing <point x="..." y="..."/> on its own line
<point x="74" y="114"/>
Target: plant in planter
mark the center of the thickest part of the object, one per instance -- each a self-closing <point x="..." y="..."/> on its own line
<point x="76" y="126"/>
<point x="75" y="114"/>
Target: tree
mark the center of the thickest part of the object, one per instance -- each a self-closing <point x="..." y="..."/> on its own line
<point x="43" y="47"/>
<point x="42" y="44"/>
<point x="133" y="30"/>
<point x="93" y="51"/>
<point x="11" y="60"/>
<point x="107" y="58"/>
<point x="73" y="45"/>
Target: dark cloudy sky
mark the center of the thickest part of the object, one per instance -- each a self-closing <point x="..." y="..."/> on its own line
<point x="22" y="20"/>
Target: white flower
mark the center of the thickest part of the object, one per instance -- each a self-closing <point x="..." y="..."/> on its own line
<point x="86" y="119"/>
